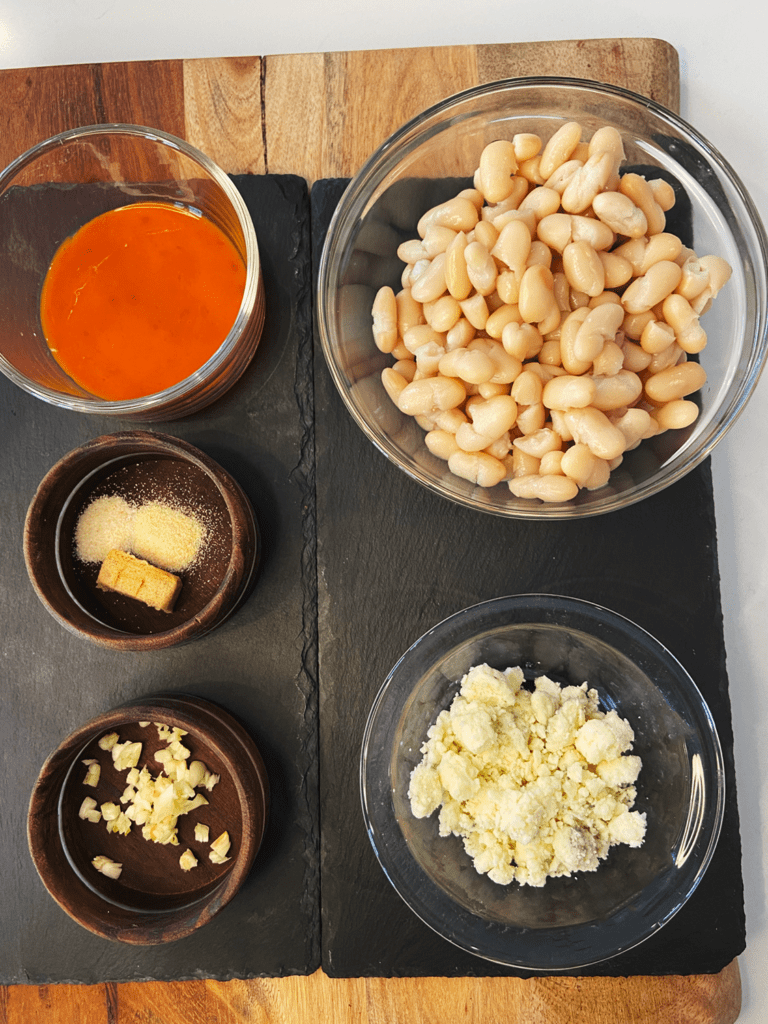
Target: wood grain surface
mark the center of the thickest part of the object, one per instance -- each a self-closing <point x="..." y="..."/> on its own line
<point x="321" y="115"/>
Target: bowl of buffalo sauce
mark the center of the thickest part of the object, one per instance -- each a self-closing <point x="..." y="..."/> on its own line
<point x="129" y="274"/>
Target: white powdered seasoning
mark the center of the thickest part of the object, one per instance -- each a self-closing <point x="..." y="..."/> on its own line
<point x="159" y="533"/>
<point x="106" y="524"/>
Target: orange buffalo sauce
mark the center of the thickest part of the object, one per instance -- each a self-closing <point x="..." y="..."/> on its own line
<point x="139" y="298"/>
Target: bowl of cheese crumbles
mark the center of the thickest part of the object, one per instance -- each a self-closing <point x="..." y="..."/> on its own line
<point x="542" y="782"/>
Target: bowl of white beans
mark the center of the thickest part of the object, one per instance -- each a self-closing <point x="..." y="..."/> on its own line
<point x="495" y="816"/>
<point x="545" y="298"/>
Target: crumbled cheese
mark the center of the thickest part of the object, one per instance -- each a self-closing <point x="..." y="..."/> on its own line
<point x="538" y="784"/>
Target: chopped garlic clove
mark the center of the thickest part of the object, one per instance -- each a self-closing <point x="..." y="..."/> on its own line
<point x="202" y="832"/>
<point x="108" y="741"/>
<point x="188" y="860"/>
<point x="220" y="849"/>
<point x="89" y="811"/>
<point x="93" y="774"/>
<point x="107" y="867"/>
<point x="126" y="755"/>
<point x="110" y="811"/>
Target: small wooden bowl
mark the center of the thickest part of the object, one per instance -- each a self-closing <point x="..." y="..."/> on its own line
<point x="153" y="900"/>
<point x="140" y="466"/>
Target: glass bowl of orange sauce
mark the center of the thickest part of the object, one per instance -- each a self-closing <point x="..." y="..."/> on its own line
<point x="130" y="279"/>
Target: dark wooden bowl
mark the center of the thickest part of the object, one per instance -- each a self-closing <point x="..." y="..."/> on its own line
<point x="138" y="465"/>
<point x="153" y="900"/>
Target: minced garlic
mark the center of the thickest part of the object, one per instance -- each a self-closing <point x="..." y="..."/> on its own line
<point x="537" y="784"/>
<point x="156" y="802"/>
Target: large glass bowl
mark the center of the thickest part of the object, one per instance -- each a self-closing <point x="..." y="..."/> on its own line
<point x="50" y="191"/>
<point x="434" y="155"/>
<point x="592" y="916"/>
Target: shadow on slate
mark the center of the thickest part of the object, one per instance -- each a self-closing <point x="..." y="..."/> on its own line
<point x="393" y="560"/>
<point x="260" y="665"/>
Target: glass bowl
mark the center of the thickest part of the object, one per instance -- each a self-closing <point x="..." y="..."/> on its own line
<point x="429" y="160"/>
<point x="570" y="922"/>
<point x="57" y="186"/>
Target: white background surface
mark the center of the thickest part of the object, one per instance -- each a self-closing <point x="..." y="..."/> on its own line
<point x="724" y="94"/>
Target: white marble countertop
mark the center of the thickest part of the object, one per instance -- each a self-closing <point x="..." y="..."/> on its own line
<point x="724" y="85"/>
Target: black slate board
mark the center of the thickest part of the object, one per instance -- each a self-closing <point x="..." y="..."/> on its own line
<point x="393" y="560"/>
<point x="260" y="665"/>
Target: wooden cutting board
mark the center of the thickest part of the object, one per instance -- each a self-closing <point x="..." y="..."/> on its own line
<point x="320" y="115"/>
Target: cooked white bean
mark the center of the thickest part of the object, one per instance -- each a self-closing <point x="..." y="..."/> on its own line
<point x="475" y="309"/>
<point x="590" y="180"/>
<point x="653" y="287"/>
<point x="554" y="488"/>
<point x="635" y="424"/>
<point x="513" y="244"/>
<point x="506" y="367"/>
<point x="431" y="394"/>
<point x="431" y="283"/>
<point x="481" y="268"/>
<point x="419" y="335"/>
<point x="394" y="382"/>
<point x="456" y="277"/>
<point x="459" y="213"/>
<point x="593" y="428"/>
<point x="541" y="202"/>
<point x="531" y="418"/>
<point x="409" y="311"/>
<point x="406" y="368"/>
<point x="635" y="359"/>
<point x="443" y="314"/>
<point x="551" y="463"/>
<point x="620" y="214"/>
<point x="657" y="335"/>
<point x="486" y="233"/>
<point x="539" y="442"/>
<point x="384" y="311"/>
<point x="478" y="467"/>
<point x="523" y="341"/>
<point x="600" y="325"/>
<point x="437" y="238"/>
<point x="663" y="246"/>
<point x="460" y="335"/>
<point x="613" y="392"/>
<point x="498" y="162"/>
<point x="641" y="194"/>
<point x="428" y="359"/>
<point x="527" y="388"/>
<point x="675" y="382"/>
<point x="472" y="367"/>
<point x="537" y="300"/>
<point x="527" y="145"/>
<point x="568" y="392"/>
<point x="441" y="443"/>
<point x="583" y="268"/>
<point x="578" y="463"/>
<point x="677" y="414"/>
<point x="412" y="251"/>
<point x="609" y="361"/>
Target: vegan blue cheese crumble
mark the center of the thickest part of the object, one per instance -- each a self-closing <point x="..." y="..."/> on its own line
<point x="538" y="784"/>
